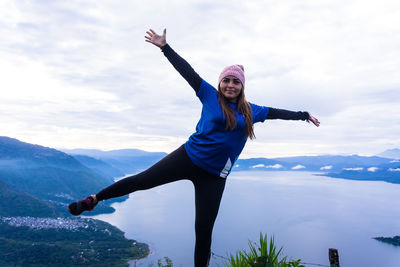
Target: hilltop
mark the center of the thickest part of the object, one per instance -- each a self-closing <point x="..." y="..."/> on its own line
<point x="29" y="241"/>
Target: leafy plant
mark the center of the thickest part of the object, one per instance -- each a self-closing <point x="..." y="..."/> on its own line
<point x="265" y="254"/>
<point x="168" y="263"/>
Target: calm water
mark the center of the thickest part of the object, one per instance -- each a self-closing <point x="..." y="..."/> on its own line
<point x="307" y="214"/>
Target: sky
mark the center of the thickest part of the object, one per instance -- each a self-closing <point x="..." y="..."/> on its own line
<point x="78" y="74"/>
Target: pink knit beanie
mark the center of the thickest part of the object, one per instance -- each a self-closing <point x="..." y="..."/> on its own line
<point x="234" y="70"/>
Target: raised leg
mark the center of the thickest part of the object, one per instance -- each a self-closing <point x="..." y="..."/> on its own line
<point x="175" y="166"/>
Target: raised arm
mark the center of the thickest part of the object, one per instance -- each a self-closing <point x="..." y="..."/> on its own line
<point x="181" y="65"/>
<point x="275" y="113"/>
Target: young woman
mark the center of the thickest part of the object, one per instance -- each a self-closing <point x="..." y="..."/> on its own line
<point x="207" y="157"/>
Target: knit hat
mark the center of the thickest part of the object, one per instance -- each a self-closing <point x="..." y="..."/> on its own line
<point x="234" y="70"/>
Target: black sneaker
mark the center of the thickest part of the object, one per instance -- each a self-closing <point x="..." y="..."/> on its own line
<point x="87" y="204"/>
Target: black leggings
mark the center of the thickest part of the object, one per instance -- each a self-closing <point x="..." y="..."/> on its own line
<point x="177" y="166"/>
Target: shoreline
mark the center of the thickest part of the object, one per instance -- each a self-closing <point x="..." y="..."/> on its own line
<point x="139" y="262"/>
<point x="131" y="262"/>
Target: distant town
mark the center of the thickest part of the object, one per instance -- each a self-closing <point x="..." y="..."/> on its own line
<point x="46" y="223"/>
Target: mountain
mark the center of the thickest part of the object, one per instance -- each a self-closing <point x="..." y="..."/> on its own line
<point x="390" y="153"/>
<point x="99" y="166"/>
<point x="128" y="161"/>
<point x="119" y="153"/>
<point x="15" y="203"/>
<point x="48" y="174"/>
<point x="19" y="154"/>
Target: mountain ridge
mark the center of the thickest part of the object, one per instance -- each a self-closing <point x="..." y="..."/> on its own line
<point x="127" y="161"/>
<point x="393" y="153"/>
<point x="59" y="178"/>
<point x="47" y="174"/>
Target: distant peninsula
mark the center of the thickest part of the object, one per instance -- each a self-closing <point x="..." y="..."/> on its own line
<point x="395" y="241"/>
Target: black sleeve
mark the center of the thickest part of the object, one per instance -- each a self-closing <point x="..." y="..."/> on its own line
<point x="183" y="67"/>
<point x="275" y="113"/>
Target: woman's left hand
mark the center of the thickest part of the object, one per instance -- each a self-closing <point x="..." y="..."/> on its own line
<point x="313" y="120"/>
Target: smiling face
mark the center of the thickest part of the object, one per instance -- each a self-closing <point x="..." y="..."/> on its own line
<point x="231" y="87"/>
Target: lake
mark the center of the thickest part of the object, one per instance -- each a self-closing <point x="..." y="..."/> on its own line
<point x="306" y="213"/>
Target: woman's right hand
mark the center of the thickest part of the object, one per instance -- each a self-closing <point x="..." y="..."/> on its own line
<point x="155" y="39"/>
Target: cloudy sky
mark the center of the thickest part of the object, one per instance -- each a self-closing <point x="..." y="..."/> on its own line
<point x="78" y="74"/>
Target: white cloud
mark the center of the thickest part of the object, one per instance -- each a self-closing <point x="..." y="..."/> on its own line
<point x="353" y="169"/>
<point x="372" y="169"/>
<point x="84" y="68"/>
<point x="298" y="167"/>
<point x="328" y="167"/>
<point x="275" y="166"/>
<point x="394" y="170"/>
<point x="258" y="166"/>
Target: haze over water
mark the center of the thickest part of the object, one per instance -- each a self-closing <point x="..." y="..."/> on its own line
<point x="307" y="214"/>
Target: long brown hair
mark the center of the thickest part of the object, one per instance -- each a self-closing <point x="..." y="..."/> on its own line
<point x="243" y="107"/>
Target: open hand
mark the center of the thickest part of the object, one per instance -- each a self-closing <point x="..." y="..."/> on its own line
<point x="156" y="39"/>
<point x="313" y="120"/>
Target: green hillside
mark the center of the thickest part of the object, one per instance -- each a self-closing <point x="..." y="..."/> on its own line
<point x="48" y="175"/>
<point x="28" y="241"/>
<point x="15" y="203"/>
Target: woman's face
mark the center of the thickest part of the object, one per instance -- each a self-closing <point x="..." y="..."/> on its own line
<point x="231" y="87"/>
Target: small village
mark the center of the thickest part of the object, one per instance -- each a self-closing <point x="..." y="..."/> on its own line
<point x="46" y="223"/>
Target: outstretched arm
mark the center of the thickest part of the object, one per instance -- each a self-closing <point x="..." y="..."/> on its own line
<point x="181" y="65"/>
<point x="275" y="113"/>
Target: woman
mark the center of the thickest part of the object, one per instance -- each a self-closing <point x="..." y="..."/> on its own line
<point x="207" y="157"/>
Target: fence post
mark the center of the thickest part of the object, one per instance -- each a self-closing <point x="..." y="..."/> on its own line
<point x="333" y="257"/>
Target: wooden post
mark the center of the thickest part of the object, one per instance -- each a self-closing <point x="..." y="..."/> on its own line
<point x="333" y="257"/>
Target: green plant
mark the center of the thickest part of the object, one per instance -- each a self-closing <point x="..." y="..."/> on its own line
<point x="168" y="262"/>
<point x="160" y="263"/>
<point x="265" y="254"/>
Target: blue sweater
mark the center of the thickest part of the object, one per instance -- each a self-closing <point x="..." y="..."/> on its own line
<point x="212" y="147"/>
